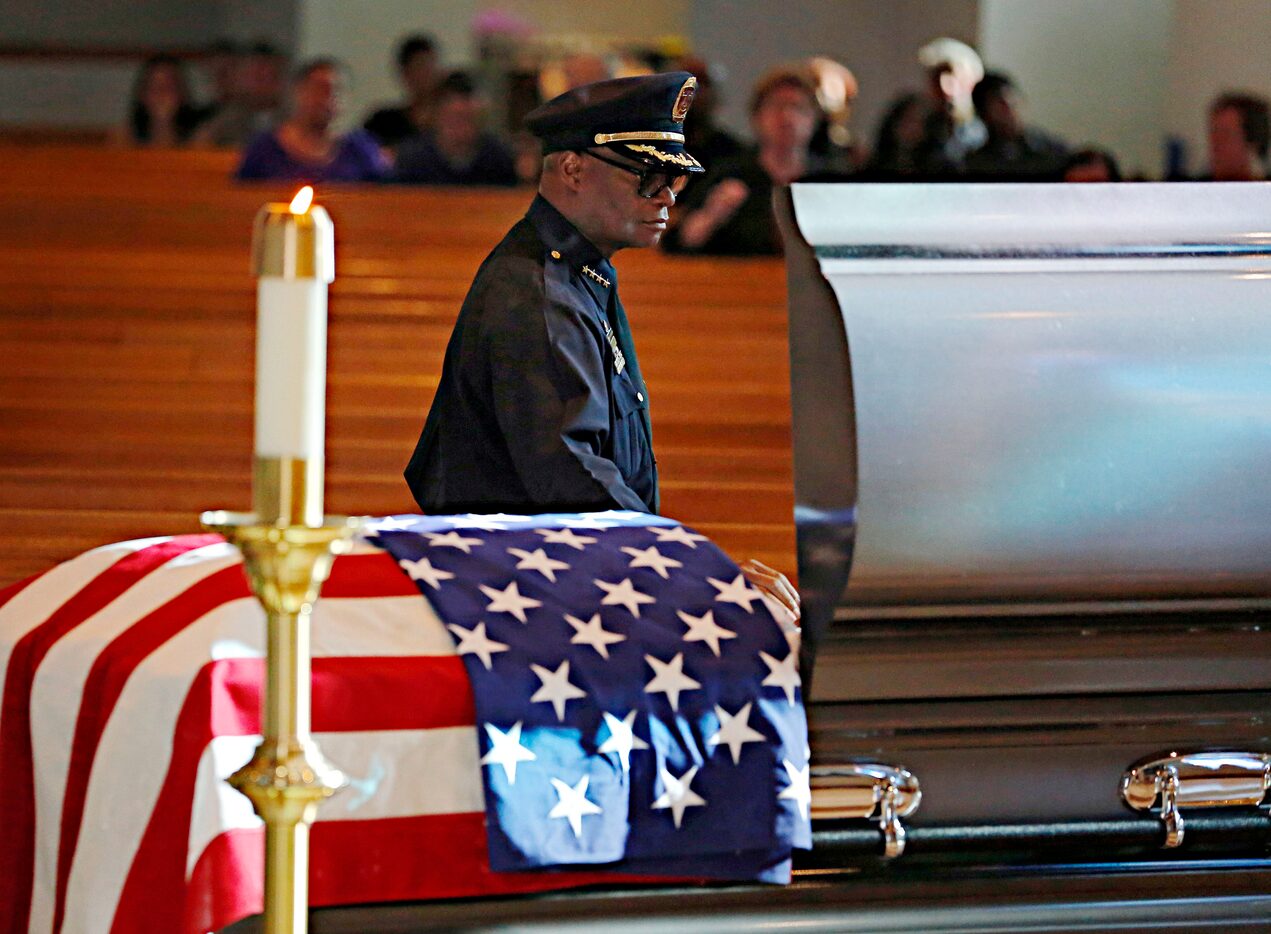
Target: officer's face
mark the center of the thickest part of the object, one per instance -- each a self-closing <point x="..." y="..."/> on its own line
<point x="617" y="215"/>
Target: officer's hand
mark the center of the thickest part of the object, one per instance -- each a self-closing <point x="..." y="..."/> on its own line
<point x="774" y="584"/>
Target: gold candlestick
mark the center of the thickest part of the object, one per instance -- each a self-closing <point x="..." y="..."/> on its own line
<point x="287" y="776"/>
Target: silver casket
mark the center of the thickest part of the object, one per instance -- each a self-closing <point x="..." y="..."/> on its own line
<point x="1032" y="457"/>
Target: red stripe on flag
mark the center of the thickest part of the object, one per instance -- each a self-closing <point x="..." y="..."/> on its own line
<point x="368" y="575"/>
<point x="351" y="862"/>
<point x="408" y="693"/>
<point x="106" y="679"/>
<point x="17" y="792"/>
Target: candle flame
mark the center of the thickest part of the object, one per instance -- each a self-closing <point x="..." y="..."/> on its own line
<point x="303" y="199"/>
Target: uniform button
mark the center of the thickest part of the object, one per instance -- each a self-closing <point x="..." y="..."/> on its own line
<point x="555" y="254"/>
<point x="639" y="397"/>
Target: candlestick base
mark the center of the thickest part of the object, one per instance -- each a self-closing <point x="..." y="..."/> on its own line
<point x="287" y="776"/>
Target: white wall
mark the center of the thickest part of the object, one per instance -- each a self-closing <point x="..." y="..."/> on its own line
<point x="1093" y="71"/>
<point x="1216" y="45"/>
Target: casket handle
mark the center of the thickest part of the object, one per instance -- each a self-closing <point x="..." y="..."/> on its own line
<point x="1169" y="782"/>
<point x="867" y="791"/>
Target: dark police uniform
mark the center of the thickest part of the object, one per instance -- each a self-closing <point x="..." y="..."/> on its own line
<point x="541" y="406"/>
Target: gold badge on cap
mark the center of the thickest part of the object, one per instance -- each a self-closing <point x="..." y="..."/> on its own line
<point x="684" y="100"/>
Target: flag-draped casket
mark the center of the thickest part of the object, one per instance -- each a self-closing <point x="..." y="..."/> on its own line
<point x="570" y="700"/>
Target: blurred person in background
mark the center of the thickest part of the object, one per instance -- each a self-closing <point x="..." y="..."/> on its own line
<point x="304" y="147"/>
<point x="254" y="107"/>
<point x="220" y="65"/>
<point x="897" y="154"/>
<point x="1013" y="151"/>
<point x="730" y="211"/>
<point x="1238" y="135"/>
<point x="160" y="113"/>
<point x="455" y="150"/>
<point x="953" y="130"/>
<point x="703" y="136"/>
<point x="1092" y="165"/>
<point x="834" y="144"/>
<point x="417" y="71"/>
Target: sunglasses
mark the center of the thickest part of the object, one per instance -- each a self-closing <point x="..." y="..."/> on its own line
<point x="652" y="181"/>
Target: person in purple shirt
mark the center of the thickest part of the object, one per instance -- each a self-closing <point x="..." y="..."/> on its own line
<point x="303" y="147"/>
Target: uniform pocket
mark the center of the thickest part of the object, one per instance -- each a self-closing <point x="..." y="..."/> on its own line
<point x="630" y="442"/>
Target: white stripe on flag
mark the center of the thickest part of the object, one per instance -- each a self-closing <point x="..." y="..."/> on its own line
<point x="39" y="599"/>
<point x="57" y="690"/>
<point x="392" y="773"/>
<point x="358" y="627"/>
<point x="115" y="820"/>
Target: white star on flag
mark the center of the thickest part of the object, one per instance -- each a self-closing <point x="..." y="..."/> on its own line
<point x="506" y="749"/>
<point x="678" y="794"/>
<point x="735" y="731"/>
<point x="799" y="790"/>
<point x="704" y="629"/>
<point x="783" y="674"/>
<point x="556" y="688"/>
<point x="474" y="642"/>
<point x="422" y="570"/>
<point x="474" y="521"/>
<point x="509" y="600"/>
<point x="622" y="738"/>
<point x="537" y="560"/>
<point x="680" y="535"/>
<point x="375" y="527"/>
<point x="652" y="558"/>
<point x="565" y="537"/>
<point x="592" y="633"/>
<point x="572" y="803"/>
<point x="623" y="514"/>
<point x="738" y="592"/>
<point x="670" y="679"/>
<point x="624" y="594"/>
<point x="588" y="522"/>
<point x="452" y="540"/>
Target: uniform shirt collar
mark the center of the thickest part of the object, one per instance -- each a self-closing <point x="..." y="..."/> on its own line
<point x="560" y="236"/>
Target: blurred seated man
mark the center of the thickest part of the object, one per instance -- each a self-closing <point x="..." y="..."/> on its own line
<point x="1238" y="135"/>
<point x="417" y="72"/>
<point x="255" y="104"/>
<point x="220" y="65"/>
<point x="455" y="150"/>
<point x="1013" y="151"/>
<point x="953" y="129"/>
<point x="160" y="113"/>
<point x="730" y="211"/>
<point x="1091" y="165"/>
<point x="897" y="153"/>
<point x="303" y="147"/>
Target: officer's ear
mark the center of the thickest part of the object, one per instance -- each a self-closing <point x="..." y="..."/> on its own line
<point x="570" y="169"/>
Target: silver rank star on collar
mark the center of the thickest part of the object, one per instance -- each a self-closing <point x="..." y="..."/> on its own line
<point x="595" y="276"/>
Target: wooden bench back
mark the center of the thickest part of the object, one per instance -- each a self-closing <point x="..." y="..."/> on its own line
<point x="127" y="316"/>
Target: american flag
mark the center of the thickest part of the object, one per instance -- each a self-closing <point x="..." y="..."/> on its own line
<point x="638" y="705"/>
<point x="130" y="683"/>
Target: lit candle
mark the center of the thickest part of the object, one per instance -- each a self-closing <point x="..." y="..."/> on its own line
<point x="293" y="258"/>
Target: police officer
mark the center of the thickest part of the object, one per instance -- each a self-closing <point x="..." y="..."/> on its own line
<point x="541" y="406"/>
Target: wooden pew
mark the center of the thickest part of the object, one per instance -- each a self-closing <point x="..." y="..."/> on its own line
<point x="126" y="342"/>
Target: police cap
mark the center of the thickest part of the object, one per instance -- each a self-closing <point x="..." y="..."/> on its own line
<point x="641" y="118"/>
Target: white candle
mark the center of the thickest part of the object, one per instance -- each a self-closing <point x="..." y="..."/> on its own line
<point x="294" y="260"/>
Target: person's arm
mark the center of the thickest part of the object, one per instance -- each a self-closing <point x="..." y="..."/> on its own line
<point x="551" y="400"/>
